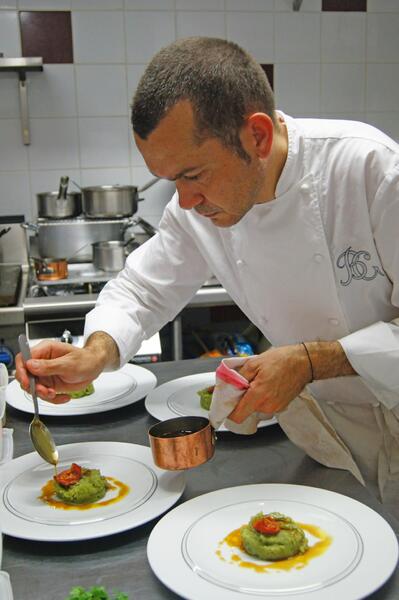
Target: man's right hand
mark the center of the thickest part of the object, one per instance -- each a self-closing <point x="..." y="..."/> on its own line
<point x="61" y="368"/>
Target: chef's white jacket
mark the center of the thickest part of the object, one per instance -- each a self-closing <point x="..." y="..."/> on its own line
<point x="319" y="262"/>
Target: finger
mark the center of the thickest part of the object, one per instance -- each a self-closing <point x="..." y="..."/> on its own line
<point x="51" y="349"/>
<point x="248" y="370"/>
<point x="245" y="407"/>
<point x="44" y="392"/>
<point x="46" y="368"/>
<point x="59" y="399"/>
<point x="21" y="373"/>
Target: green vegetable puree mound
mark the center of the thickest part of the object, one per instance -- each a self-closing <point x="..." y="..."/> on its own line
<point x="206" y="397"/>
<point x="289" y="541"/>
<point x="90" y="488"/>
<point x="81" y="393"/>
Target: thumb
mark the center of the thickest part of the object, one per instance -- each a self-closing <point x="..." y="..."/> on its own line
<point x="244" y="408"/>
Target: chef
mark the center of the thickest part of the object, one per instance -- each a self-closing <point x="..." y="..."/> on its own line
<point x="297" y="219"/>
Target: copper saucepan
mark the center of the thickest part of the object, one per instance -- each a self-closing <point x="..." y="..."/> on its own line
<point x="182" y="443"/>
<point x="51" y="269"/>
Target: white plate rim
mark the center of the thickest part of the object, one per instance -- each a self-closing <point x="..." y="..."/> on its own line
<point x="160" y="501"/>
<point x="156" y="400"/>
<point x="192" y="587"/>
<point x="145" y="380"/>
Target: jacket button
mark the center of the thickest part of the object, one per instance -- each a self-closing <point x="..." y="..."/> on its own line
<point x="333" y="321"/>
<point x="318" y="258"/>
<point x="304" y="187"/>
<point x="240" y="263"/>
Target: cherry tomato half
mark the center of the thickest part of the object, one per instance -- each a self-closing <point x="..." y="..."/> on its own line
<point x="69" y="476"/>
<point x="267" y="526"/>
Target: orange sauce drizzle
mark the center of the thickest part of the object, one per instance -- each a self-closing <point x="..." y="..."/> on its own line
<point x="233" y="539"/>
<point x="48" y="496"/>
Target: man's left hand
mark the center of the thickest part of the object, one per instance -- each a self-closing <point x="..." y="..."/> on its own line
<point x="276" y="377"/>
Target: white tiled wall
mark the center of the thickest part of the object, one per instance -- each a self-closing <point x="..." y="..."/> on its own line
<point x="343" y="65"/>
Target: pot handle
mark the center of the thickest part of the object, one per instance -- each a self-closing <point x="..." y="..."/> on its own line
<point x="148" y="185"/>
<point x="147" y="227"/>
<point x="30" y="226"/>
<point x="63" y="187"/>
<point x="129" y="223"/>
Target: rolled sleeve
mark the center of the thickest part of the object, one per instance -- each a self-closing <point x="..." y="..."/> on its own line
<point x="374" y="354"/>
<point x="114" y="321"/>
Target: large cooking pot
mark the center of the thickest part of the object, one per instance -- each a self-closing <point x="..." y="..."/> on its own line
<point x="110" y="255"/>
<point x="112" y="201"/>
<point x="50" y="206"/>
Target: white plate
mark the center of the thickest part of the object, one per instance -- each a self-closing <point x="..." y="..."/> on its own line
<point x="111" y="390"/>
<point x="179" y="398"/>
<point x="182" y="546"/>
<point x="152" y="492"/>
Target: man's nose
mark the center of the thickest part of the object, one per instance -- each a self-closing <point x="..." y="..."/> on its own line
<point x="188" y="198"/>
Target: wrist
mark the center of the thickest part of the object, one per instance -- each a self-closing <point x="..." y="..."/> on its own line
<point x="299" y="364"/>
<point x="104" y="350"/>
<point x="328" y="360"/>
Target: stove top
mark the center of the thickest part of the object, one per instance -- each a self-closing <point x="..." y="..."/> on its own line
<point x="83" y="278"/>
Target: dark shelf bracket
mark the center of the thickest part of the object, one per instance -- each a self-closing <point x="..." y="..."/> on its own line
<point x="21" y="66"/>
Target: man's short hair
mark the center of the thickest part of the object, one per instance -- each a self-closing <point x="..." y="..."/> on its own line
<point x="221" y="80"/>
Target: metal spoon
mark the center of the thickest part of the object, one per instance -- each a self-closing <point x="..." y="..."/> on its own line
<point x="40" y="435"/>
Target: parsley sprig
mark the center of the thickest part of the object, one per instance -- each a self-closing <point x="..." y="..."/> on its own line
<point x="94" y="593"/>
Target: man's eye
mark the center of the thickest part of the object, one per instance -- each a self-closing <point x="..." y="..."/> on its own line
<point x="191" y="177"/>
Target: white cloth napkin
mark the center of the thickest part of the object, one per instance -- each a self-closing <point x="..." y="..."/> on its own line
<point x="303" y="420"/>
<point x="7" y="445"/>
<point x="5" y="586"/>
<point x="230" y="387"/>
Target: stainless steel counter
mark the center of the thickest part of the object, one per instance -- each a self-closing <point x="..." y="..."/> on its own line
<point x="48" y="570"/>
<point x="79" y="305"/>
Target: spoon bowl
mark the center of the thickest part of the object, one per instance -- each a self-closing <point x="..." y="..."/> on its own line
<point x="41" y="437"/>
<point x="43" y="441"/>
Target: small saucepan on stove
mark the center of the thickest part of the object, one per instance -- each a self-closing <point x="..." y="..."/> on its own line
<point x="182" y="442"/>
<point x="111" y="255"/>
<point x="61" y="204"/>
<point x="51" y="269"/>
<point x="50" y="206"/>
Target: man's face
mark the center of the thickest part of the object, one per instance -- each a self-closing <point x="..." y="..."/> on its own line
<point x="210" y="178"/>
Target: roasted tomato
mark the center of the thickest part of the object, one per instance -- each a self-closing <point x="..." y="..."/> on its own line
<point x="69" y="476"/>
<point x="267" y="526"/>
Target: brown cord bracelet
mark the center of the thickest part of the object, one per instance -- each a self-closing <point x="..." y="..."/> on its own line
<point x="310" y="362"/>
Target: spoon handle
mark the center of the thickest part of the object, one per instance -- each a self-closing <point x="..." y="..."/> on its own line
<point x="26" y="355"/>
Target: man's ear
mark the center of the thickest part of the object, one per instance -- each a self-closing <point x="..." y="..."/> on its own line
<point x="261" y="130"/>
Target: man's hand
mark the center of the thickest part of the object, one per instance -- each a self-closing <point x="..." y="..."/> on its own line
<point x="276" y="377"/>
<point x="61" y="368"/>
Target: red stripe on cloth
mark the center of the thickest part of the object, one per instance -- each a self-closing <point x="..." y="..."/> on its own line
<point x="231" y="376"/>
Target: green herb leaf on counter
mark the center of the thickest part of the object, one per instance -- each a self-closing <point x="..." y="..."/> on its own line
<point x="94" y="593"/>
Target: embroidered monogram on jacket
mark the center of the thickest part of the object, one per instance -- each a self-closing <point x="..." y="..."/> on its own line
<point x="356" y="267"/>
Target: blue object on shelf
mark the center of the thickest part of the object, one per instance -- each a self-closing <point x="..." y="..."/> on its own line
<point x="6" y="356"/>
